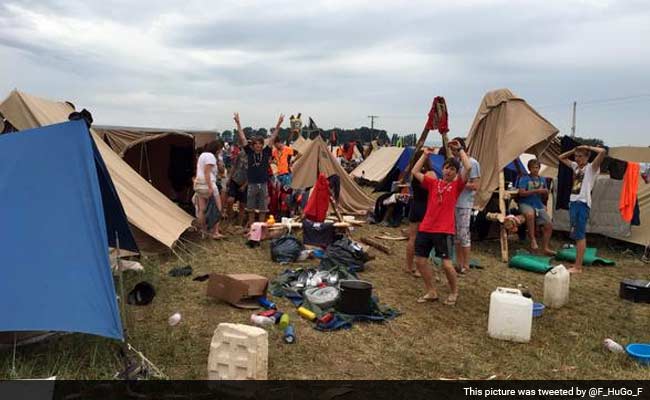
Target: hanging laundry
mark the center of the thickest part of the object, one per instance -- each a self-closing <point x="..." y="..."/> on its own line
<point x="629" y="191"/>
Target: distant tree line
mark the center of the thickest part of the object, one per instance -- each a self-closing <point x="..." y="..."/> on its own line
<point x="363" y="134"/>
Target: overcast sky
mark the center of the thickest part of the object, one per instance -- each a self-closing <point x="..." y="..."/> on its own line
<point x="190" y="64"/>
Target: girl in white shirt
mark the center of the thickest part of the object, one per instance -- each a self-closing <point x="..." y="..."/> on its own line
<point x="205" y="185"/>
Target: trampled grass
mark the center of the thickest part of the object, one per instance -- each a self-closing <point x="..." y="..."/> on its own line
<point x="429" y="341"/>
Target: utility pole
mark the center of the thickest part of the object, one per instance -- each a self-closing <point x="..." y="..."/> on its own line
<point x="573" y="123"/>
<point x="372" y="126"/>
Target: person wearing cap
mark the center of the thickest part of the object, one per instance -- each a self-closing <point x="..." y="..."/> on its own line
<point x="464" y="207"/>
<point x="259" y="156"/>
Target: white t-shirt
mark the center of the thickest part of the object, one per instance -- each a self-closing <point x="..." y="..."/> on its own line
<point x="206" y="159"/>
<point x="583" y="181"/>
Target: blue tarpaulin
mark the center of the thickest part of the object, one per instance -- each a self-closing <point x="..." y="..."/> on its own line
<point x="56" y="201"/>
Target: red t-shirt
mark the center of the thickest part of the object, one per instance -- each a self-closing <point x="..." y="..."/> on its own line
<point x="441" y="205"/>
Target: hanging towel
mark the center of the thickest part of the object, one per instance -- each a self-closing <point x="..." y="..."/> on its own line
<point x="629" y="191"/>
<point x="438" y="116"/>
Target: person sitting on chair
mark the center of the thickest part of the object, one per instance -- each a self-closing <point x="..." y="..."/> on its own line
<point x="531" y="189"/>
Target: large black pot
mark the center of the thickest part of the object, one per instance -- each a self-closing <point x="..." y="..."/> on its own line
<point x="354" y="297"/>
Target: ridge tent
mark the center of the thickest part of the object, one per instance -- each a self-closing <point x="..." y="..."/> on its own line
<point x="156" y="219"/>
<point x="56" y="233"/>
<point x="505" y="126"/>
<point x="378" y="164"/>
<point x="317" y="158"/>
<point x="164" y="157"/>
<point x="300" y="144"/>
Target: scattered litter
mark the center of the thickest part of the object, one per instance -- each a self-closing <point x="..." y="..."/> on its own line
<point x="261" y="320"/>
<point x="202" y="278"/>
<point x="612" y="346"/>
<point x="142" y="294"/>
<point x="289" y="335"/>
<point x="126" y="265"/>
<point x="181" y="271"/>
<point x="174" y="319"/>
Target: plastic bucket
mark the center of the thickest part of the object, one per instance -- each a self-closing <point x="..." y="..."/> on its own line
<point x="538" y="309"/>
<point x="354" y="297"/>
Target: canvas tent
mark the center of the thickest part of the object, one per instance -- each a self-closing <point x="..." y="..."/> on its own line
<point x="300" y="144"/>
<point x="56" y="233"/>
<point x="164" y="157"/>
<point x="316" y="158"/>
<point x="201" y="138"/>
<point x="378" y="164"/>
<point x="604" y="216"/>
<point x="148" y="210"/>
<point x="504" y="127"/>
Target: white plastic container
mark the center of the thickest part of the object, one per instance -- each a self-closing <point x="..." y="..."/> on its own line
<point x="556" y="287"/>
<point x="511" y="315"/>
<point x="238" y="352"/>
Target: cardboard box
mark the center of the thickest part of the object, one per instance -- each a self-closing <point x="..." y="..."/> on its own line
<point x="240" y="290"/>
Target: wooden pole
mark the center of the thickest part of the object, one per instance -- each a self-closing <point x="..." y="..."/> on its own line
<point x="503" y="234"/>
<point x="418" y="146"/>
<point x="375" y="244"/>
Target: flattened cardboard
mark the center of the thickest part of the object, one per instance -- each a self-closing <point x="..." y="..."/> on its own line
<point x="240" y="290"/>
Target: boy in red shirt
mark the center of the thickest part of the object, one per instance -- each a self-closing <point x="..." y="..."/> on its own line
<point x="437" y="229"/>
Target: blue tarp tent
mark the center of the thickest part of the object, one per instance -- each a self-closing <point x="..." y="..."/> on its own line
<point x="402" y="163"/>
<point x="57" y="203"/>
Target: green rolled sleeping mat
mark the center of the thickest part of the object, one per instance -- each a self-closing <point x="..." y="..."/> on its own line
<point x="531" y="262"/>
<point x="590" y="257"/>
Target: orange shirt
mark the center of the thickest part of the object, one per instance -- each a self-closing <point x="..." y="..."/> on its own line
<point x="282" y="159"/>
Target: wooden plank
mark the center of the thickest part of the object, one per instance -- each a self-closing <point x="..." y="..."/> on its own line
<point x="392" y="237"/>
<point x="375" y="244"/>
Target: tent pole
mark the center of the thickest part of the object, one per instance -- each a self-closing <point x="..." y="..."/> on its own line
<point x="503" y="234"/>
<point x="125" y="331"/>
<point x="13" y="359"/>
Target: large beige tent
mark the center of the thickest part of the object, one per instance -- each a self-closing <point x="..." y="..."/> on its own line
<point x="300" y="144"/>
<point x="164" y="157"/>
<point x="146" y="208"/>
<point x="316" y="158"/>
<point x="378" y="164"/>
<point x="505" y="127"/>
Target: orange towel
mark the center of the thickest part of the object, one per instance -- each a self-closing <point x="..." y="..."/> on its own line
<point x="629" y="191"/>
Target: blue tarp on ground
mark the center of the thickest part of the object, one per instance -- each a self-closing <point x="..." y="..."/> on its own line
<point x="53" y="233"/>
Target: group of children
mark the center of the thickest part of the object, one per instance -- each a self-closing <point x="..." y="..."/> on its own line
<point x="441" y="208"/>
<point x="253" y="164"/>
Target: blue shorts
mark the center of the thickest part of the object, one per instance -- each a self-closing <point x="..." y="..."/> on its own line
<point x="284" y="179"/>
<point x="578" y="215"/>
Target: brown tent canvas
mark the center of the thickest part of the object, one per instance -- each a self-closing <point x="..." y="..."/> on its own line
<point x="505" y="127"/>
<point x="317" y="158"/>
<point x="164" y="157"/>
<point x="147" y="209"/>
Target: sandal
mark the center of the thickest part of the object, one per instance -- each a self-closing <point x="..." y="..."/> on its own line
<point x="427" y="298"/>
<point x="451" y="300"/>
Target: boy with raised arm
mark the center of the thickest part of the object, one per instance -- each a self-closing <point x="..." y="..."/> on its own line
<point x="437" y="229"/>
<point x="259" y="155"/>
<point x="584" y="178"/>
